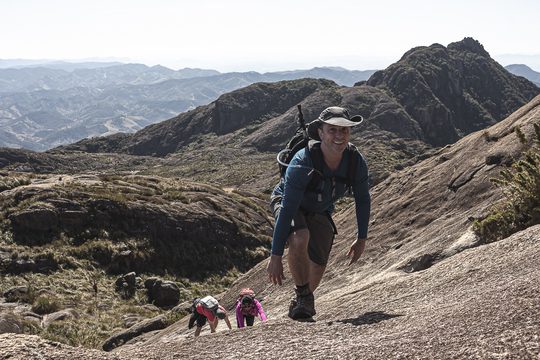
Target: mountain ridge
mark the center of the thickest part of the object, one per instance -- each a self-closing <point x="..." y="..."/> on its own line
<point x="130" y="96"/>
<point x="426" y="285"/>
<point x="431" y="97"/>
<point x="525" y="71"/>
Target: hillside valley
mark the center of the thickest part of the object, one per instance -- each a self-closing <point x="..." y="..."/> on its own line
<point x="105" y="241"/>
<point x="432" y="97"/>
<point x="42" y="107"/>
<point x="427" y="286"/>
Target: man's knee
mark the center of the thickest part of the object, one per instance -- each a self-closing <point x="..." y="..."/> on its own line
<point x="299" y="240"/>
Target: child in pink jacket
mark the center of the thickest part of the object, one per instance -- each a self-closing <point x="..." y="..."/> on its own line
<point x="247" y="308"/>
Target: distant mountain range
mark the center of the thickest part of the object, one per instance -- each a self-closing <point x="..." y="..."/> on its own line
<point x="43" y="107"/>
<point x="431" y="97"/>
<point x="525" y="71"/>
<point x="434" y="94"/>
<point x="54" y="64"/>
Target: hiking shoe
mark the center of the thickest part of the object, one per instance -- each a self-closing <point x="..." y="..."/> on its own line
<point x="292" y="305"/>
<point x="304" y="308"/>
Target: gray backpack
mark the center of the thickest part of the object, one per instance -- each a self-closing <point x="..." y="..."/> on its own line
<point x="210" y="303"/>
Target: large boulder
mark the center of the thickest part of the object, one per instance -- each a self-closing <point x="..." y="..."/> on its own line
<point x="162" y="293"/>
<point x="17" y="294"/>
<point x="59" y="316"/>
<point x="9" y="323"/>
<point x="126" y="284"/>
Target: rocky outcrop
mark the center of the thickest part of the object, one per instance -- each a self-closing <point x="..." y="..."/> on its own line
<point x="10" y="323"/>
<point x="453" y="91"/>
<point x="127" y="284"/>
<point x="172" y="226"/>
<point x="162" y="293"/>
<point x="145" y="326"/>
<point x="59" y="316"/>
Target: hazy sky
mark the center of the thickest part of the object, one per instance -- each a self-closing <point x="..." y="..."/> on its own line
<point x="231" y="35"/>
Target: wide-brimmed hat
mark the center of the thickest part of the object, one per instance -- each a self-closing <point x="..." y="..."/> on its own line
<point x="339" y="116"/>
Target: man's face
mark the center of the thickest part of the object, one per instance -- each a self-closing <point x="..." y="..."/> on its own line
<point x="334" y="137"/>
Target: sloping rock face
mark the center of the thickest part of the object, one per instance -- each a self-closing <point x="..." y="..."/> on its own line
<point x="425" y="287"/>
<point x="477" y="304"/>
<point x="455" y="90"/>
<point x="142" y="224"/>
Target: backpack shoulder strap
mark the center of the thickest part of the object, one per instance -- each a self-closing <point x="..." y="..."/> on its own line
<point x="316" y="155"/>
<point x="351" y="168"/>
<point x="315" y="152"/>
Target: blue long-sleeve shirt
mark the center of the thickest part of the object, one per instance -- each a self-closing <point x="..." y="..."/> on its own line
<point x="292" y="189"/>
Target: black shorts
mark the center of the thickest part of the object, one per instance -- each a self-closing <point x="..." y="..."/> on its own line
<point x="201" y="320"/>
<point x="197" y="318"/>
<point x="321" y="232"/>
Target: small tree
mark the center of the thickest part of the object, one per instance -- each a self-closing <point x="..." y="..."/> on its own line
<point x="521" y="187"/>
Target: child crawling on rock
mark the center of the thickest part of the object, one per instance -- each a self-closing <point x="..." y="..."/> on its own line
<point x="247" y="308"/>
<point x="207" y="308"/>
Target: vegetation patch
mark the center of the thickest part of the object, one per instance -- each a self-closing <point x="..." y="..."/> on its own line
<point x="8" y="182"/>
<point x="102" y="311"/>
<point x="64" y="243"/>
<point x="46" y="304"/>
<point x="521" y="187"/>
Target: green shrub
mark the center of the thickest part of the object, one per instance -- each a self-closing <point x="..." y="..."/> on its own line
<point x="97" y="250"/>
<point x="521" y="187"/>
<point x="45" y="304"/>
<point x="8" y="183"/>
<point x="72" y="333"/>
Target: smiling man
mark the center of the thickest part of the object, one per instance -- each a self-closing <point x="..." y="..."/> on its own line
<point x="303" y="203"/>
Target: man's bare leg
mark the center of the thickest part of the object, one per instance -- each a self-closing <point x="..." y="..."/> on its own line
<point x="302" y="269"/>
<point x="298" y="259"/>
<point x="316" y="273"/>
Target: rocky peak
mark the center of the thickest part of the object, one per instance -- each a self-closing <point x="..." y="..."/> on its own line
<point x="451" y="93"/>
<point x="469" y="44"/>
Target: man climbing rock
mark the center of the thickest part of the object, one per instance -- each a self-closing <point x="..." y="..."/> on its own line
<point x="303" y="202"/>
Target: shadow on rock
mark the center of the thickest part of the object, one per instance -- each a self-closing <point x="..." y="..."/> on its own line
<point x="371" y="317"/>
